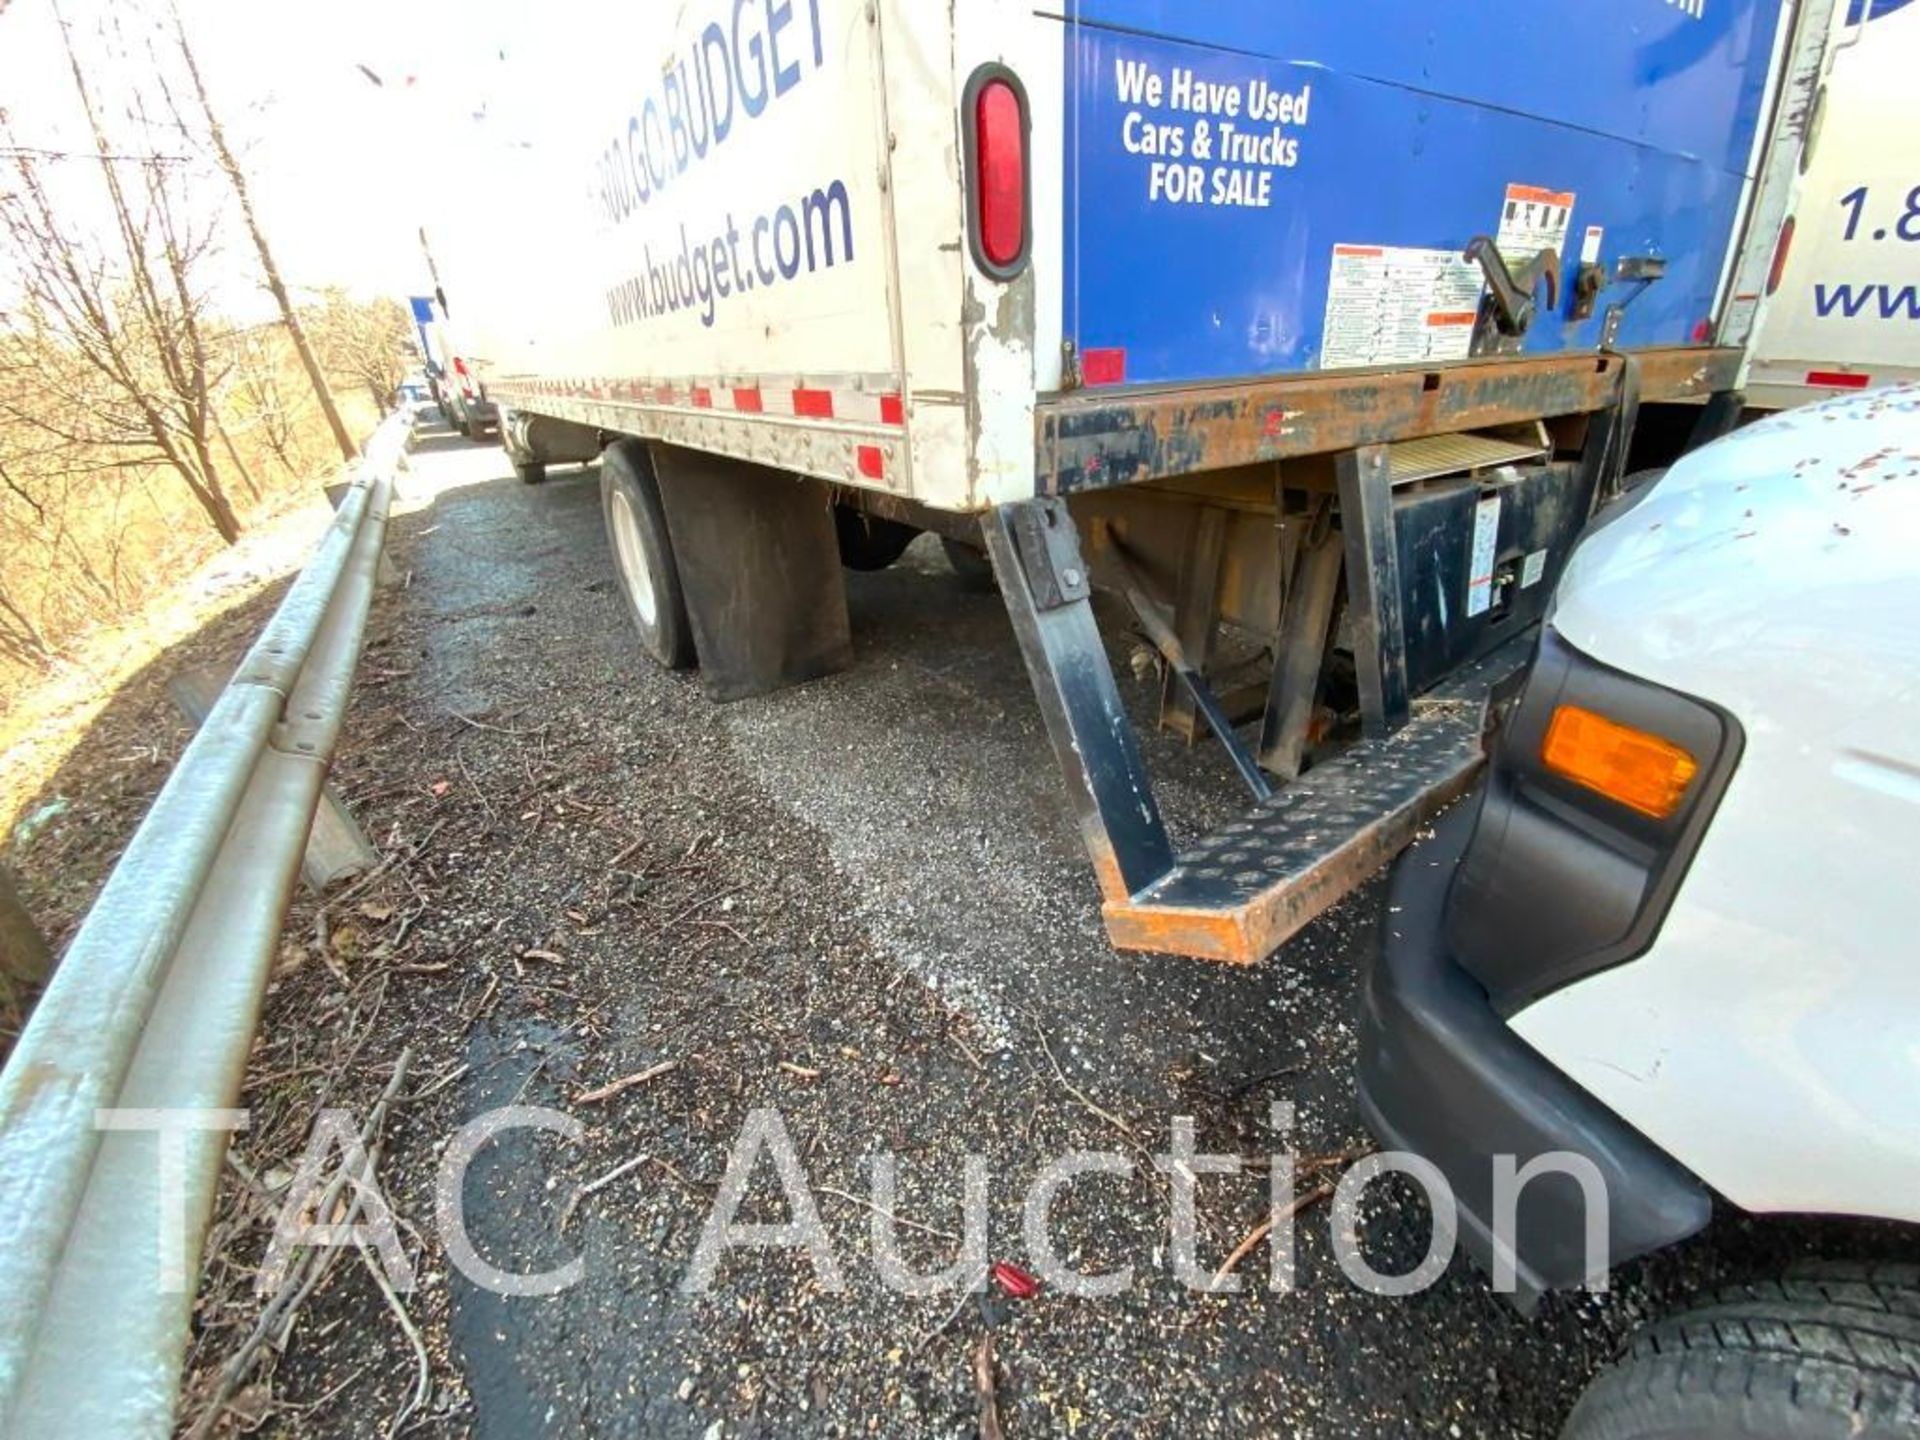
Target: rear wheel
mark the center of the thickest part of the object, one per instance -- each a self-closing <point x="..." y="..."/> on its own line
<point x="643" y="553"/>
<point x="969" y="563"/>
<point x="1831" y="1351"/>
<point x="868" y="542"/>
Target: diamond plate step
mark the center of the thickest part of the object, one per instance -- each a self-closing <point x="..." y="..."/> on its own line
<point x="1243" y="891"/>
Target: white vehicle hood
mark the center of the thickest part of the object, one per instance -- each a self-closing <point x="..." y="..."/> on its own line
<point x="1781" y="564"/>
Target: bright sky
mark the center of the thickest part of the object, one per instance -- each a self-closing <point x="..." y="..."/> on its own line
<point x="344" y="172"/>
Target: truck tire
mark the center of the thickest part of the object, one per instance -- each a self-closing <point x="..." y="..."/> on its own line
<point x="1830" y="1351"/>
<point x="969" y="563"/>
<point x="868" y="542"/>
<point x="643" y="553"/>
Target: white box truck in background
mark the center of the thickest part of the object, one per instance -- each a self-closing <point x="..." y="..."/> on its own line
<point x="1844" y="308"/>
<point x="1304" y="328"/>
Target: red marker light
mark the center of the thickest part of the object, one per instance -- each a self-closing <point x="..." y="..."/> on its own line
<point x="1781" y="249"/>
<point x="999" y="125"/>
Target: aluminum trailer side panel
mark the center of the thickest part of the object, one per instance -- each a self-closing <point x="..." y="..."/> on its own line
<point x="1289" y="186"/>
<point x="683" y="228"/>
<point x="744" y="229"/>
<point x="1844" y="313"/>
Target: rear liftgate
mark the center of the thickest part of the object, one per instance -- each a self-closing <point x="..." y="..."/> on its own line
<point x="1425" y="665"/>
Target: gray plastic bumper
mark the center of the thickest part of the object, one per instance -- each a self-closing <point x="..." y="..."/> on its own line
<point x="1442" y="1076"/>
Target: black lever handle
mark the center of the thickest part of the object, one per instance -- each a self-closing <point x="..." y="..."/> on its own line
<point x="1511" y="290"/>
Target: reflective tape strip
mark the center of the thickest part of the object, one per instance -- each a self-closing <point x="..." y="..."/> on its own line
<point x="863" y="404"/>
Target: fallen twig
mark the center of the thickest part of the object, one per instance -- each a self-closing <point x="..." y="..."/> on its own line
<point x="625" y="1082"/>
<point x="681" y="914"/>
<point x="1073" y="1090"/>
<point x="1265" y="1228"/>
<point x="880" y="1210"/>
<point x="277" y="1317"/>
<point x="966" y="1294"/>
<point x="692" y="1186"/>
<point x="967" y="1050"/>
<point x="360" y="885"/>
<point x="437" y="1086"/>
<point x="625" y="853"/>
<point x="474" y="785"/>
<point x="987" y="1388"/>
<point x="595" y="1186"/>
<point x="423" y="1378"/>
<point x="496" y="729"/>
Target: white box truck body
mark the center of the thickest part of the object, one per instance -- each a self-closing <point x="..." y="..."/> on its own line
<point x="1325" y="331"/>
<point x="1844" y="312"/>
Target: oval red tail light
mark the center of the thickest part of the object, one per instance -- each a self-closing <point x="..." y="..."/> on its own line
<point x="997" y="125"/>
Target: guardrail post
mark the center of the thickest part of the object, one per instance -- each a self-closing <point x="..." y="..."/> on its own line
<point x="336" y="846"/>
<point x="24" y="956"/>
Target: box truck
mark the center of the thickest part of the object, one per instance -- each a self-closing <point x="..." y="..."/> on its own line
<point x="1844" y="306"/>
<point x="1302" y="329"/>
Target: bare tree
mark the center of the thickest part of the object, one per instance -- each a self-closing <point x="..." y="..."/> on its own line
<point x="230" y="166"/>
<point x="267" y="396"/>
<point x="21" y="639"/>
<point x="115" y="322"/>
<point x="368" y="341"/>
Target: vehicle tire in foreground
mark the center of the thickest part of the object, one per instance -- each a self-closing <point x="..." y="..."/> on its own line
<point x="868" y="542"/>
<point x="1831" y="1351"/>
<point x="643" y="553"/>
<point x="969" y="563"/>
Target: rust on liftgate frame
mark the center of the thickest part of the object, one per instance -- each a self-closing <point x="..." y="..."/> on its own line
<point x="1091" y="439"/>
<point x="1237" y="894"/>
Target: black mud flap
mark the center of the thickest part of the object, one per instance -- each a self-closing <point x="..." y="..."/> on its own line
<point x="760" y="567"/>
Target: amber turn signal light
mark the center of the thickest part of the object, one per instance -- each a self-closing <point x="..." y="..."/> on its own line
<point x="1629" y="766"/>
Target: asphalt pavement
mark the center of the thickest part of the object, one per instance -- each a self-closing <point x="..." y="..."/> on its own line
<point x="859" y="904"/>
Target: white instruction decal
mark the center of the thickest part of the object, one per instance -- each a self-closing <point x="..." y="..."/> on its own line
<point x="1533" y="220"/>
<point x="1387" y="305"/>
<point x="1486" y="544"/>
<point x="1590" y="246"/>
<point x="1532" y="568"/>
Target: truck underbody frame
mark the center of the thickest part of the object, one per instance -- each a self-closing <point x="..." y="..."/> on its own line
<point x="1089" y="439"/>
<point x="1238" y="894"/>
<point x="1327" y="516"/>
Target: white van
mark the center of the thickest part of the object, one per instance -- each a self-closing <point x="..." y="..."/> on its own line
<point x="1661" y="964"/>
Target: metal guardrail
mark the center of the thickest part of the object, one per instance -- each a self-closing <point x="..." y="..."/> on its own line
<point x="154" y="1007"/>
